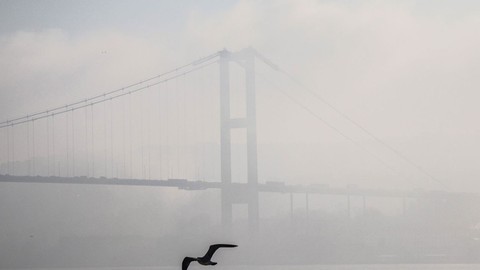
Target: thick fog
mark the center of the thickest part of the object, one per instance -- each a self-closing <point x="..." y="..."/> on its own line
<point x="370" y="99"/>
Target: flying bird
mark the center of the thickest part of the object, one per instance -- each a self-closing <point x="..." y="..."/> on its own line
<point x="206" y="259"/>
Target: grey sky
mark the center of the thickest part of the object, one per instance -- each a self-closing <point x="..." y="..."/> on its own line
<point x="85" y="16"/>
<point x="408" y="71"/>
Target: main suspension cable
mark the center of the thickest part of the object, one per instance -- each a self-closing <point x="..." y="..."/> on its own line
<point x="92" y="99"/>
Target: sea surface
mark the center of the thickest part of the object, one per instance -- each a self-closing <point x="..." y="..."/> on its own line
<point x="296" y="267"/>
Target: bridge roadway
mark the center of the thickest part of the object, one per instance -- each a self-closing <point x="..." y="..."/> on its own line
<point x="277" y="187"/>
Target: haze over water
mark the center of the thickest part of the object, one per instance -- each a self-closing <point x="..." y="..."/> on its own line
<point x="364" y="136"/>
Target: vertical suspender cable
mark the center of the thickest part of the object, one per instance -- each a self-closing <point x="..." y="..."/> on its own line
<point x="105" y="138"/>
<point x="149" y="130"/>
<point x="142" y="146"/>
<point x="130" y="133"/>
<point x="196" y="114"/>
<point x="188" y="165"/>
<point x="33" y="148"/>
<point x="205" y="116"/>
<point x="111" y="140"/>
<point x="13" y="150"/>
<point x="48" y="145"/>
<point x="53" y="146"/>
<point x="93" y="141"/>
<point x="214" y="78"/>
<point x="201" y="140"/>
<point x="167" y="130"/>
<point x="86" y="141"/>
<point x="5" y="151"/>
<point x="205" y="108"/>
<point x="177" y="135"/>
<point x="212" y="170"/>
<point x="181" y="129"/>
<point x="193" y="129"/>
<point x="124" y="173"/>
<point x="29" y="156"/>
<point x="8" y="151"/>
<point x="73" y="142"/>
<point x="184" y="148"/>
<point x="186" y="162"/>
<point x="67" y="144"/>
<point x="200" y="110"/>
<point x="160" y="132"/>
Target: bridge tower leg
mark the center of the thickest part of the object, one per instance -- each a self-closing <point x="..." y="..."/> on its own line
<point x="249" y="196"/>
<point x="225" y="142"/>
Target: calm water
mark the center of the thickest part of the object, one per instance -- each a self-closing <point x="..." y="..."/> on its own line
<point x="300" y="267"/>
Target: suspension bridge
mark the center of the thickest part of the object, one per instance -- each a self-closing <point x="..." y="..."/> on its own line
<point x="170" y="130"/>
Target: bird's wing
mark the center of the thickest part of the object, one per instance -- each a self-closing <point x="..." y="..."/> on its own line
<point x="186" y="262"/>
<point x="214" y="248"/>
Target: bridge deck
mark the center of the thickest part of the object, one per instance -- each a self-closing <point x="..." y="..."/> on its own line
<point x="277" y="187"/>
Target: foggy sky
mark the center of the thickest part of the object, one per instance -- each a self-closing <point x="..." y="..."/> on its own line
<point x="407" y="71"/>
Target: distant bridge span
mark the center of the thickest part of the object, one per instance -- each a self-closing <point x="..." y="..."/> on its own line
<point x="271" y="187"/>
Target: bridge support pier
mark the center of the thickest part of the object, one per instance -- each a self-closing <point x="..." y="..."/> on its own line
<point x="245" y="58"/>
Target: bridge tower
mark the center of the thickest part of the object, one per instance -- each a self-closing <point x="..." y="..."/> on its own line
<point x="234" y="193"/>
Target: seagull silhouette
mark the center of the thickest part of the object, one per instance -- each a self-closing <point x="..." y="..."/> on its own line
<point x="206" y="259"/>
